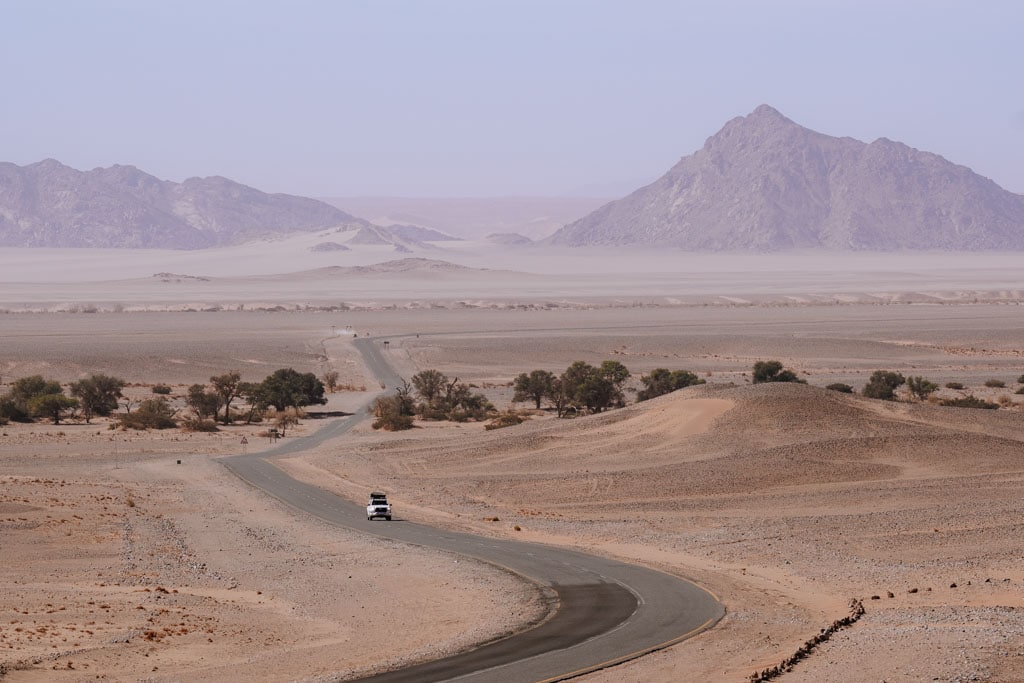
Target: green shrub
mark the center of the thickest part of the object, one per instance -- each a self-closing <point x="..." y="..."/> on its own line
<point x="969" y="402"/>
<point x="153" y="413"/>
<point x="954" y="385"/>
<point x="883" y="384"/>
<point x="391" y="413"/>
<point x="662" y="381"/>
<point x="772" y="371"/>
<point x="161" y="389"/>
<point x="995" y="383"/>
<point x="840" y="387"/>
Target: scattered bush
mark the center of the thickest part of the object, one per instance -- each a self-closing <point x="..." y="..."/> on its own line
<point x="995" y="383"/>
<point x="954" y="385"/>
<point x="1020" y="380"/>
<point x="1019" y="391"/>
<point x="969" y="402"/>
<point x="1005" y="401"/>
<point x="840" y="387"/>
<point x="161" y="389"/>
<point x="883" y="385"/>
<point x="198" y="424"/>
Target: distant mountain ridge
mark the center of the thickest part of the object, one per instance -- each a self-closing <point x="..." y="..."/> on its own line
<point x="48" y="204"/>
<point x="764" y="183"/>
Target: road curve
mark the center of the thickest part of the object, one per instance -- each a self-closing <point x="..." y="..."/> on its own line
<point x="607" y="611"/>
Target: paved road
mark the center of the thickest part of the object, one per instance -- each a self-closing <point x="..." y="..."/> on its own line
<point x="607" y="611"/>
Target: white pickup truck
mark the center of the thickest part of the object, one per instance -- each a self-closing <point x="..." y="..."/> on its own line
<point x="378" y="506"/>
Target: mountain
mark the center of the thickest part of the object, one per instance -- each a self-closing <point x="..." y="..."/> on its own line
<point x="764" y="183"/>
<point x="48" y="204"/>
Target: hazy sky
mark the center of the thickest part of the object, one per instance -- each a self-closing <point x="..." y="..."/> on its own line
<point x="494" y="97"/>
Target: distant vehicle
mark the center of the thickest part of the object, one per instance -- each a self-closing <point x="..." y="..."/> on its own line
<point x="378" y="507"/>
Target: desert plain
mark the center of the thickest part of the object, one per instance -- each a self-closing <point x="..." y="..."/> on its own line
<point x="784" y="500"/>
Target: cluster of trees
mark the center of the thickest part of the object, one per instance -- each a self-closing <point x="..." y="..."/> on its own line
<point x="581" y="387"/>
<point x="285" y="390"/>
<point x="36" y="397"/>
<point x="439" y="399"/>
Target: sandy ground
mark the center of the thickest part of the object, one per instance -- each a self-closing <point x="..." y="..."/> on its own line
<point x="784" y="500"/>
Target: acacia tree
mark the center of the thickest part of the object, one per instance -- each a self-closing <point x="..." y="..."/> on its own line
<point x="97" y="394"/>
<point x="202" y="402"/>
<point x="254" y="395"/>
<point x="227" y="388"/>
<point x="533" y="387"/>
<point x="559" y="397"/>
<point x="288" y="388"/>
<point x="52" y="406"/>
<point x="429" y="384"/>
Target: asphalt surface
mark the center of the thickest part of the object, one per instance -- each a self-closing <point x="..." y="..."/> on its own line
<point x="607" y="611"/>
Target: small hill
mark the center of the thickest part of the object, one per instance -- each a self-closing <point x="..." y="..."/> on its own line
<point x="48" y="204"/>
<point x="508" y="238"/>
<point x="764" y="183"/>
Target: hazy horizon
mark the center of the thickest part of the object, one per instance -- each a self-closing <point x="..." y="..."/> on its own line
<point x="499" y="99"/>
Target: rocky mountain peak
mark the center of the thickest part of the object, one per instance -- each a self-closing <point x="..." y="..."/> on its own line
<point x="765" y="183"/>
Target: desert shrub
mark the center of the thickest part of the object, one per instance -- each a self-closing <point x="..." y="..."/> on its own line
<point x="445" y="400"/>
<point x="1005" y="401"/>
<point x="840" y="387"/>
<point x="508" y="419"/>
<point x="161" y="389"/>
<point x="995" y="383"/>
<point x="198" y="424"/>
<point x="1019" y="391"/>
<point x="391" y="413"/>
<point x="954" y="385"/>
<point x="153" y="413"/>
<point x="882" y="385"/>
<point x="10" y="411"/>
<point x="969" y="402"/>
<point x="330" y="380"/>
<point x="662" y="381"/>
<point x="772" y="371"/>
<point x="920" y="388"/>
<point x="1020" y="380"/>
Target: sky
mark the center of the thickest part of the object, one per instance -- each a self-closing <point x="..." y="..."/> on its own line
<point x="483" y="98"/>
